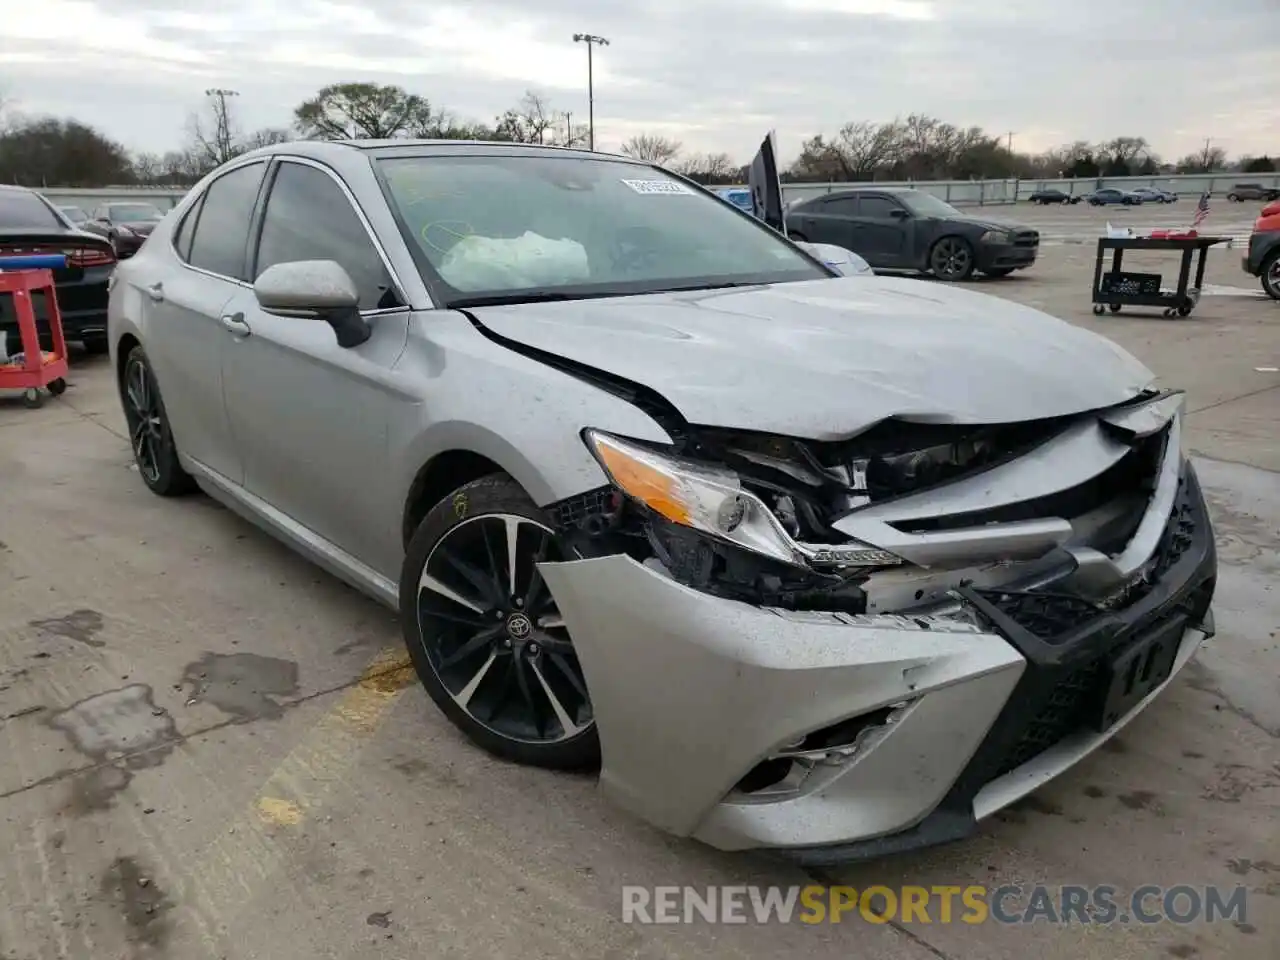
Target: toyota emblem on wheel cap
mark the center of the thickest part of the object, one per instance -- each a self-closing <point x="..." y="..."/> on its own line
<point x="519" y="626"/>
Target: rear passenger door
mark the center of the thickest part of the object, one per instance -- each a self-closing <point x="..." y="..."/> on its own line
<point x="310" y="417"/>
<point x="184" y="304"/>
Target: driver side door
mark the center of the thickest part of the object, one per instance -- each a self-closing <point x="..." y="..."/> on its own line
<point x="309" y="417"/>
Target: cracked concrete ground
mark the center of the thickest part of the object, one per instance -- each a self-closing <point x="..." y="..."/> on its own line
<point x="210" y="748"/>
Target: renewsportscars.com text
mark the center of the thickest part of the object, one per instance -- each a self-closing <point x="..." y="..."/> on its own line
<point x="972" y="904"/>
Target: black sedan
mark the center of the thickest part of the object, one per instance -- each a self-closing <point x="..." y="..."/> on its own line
<point x="29" y="224"/>
<point x="1044" y="197"/>
<point x="902" y="229"/>
<point x="125" y="225"/>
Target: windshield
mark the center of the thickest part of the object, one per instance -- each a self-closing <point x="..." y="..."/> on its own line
<point x="505" y="226"/>
<point x="136" y="212"/>
<point x="20" y="209"/>
<point x="927" y="205"/>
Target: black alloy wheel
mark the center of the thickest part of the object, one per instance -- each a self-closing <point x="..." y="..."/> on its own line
<point x="484" y="632"/>
<point x="951" y="259"/>
<point x="1270" y="275"/>
<point x="154" y="451"/>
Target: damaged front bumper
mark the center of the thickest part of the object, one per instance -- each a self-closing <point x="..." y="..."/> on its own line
<point x="837" y="736"/>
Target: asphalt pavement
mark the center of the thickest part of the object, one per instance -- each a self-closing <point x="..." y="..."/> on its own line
<point x="211" y="749"/>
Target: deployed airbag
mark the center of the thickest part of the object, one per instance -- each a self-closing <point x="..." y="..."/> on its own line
<point x="530" y="260"/>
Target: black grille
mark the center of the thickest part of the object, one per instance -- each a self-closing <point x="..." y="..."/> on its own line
<point x="1029" y="238"/>
<point x="1064" y="708"/>
<point x="575" y="512"/>
<point x="1064" y="684"/>
<point x="1051" y="617"/>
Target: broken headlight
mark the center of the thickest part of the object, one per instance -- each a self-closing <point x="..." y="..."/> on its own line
<point x="713" y="501"/>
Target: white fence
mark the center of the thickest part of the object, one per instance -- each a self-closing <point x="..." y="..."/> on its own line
<point x="959" y="192"/>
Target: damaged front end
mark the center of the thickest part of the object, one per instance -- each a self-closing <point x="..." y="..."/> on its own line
<point x="867" y="645"/>
<point x="892" y="520"/>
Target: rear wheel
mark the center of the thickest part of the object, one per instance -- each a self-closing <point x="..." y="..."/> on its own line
<point x="1233" y="198"/>
<point x="1270" y="275"/>
<point x="154" y="451"/>
<point x="484" y="632"/>
<point x="951" y="259"/>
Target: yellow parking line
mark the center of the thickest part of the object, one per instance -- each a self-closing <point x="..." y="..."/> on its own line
<point x="235" y="867"/>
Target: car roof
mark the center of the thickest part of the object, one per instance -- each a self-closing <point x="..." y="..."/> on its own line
<point x="340" y="150"/>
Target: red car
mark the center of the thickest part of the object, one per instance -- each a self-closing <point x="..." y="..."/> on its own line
<point x="1263" y="258"/>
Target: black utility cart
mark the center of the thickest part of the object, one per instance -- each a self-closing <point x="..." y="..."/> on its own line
<point x="1117" y="289"/>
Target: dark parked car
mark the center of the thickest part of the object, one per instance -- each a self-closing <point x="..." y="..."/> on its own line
<point x="1252" y="191"/>
<point x="1044" y="197"/>
<point x="125" y="225"/>
<point x="1155" y="195"/>
<point x="903" y="229"/>
<point x="75" y="214"/>
<point x="31" y="224"/>
<point x="1109" y="196"/>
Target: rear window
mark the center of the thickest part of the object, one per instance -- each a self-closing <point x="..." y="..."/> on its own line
<point x="21" y="209"/>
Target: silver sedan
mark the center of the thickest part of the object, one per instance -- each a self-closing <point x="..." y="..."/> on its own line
<point x="836" y="565"/>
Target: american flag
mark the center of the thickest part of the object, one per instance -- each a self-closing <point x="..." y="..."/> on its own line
<point x="1202" y="211"/>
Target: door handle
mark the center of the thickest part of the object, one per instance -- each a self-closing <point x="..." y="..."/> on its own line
<point x="155" y="292"/>
<point x="235" y="323"/>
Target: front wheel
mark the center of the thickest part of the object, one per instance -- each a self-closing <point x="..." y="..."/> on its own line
<point x="1270" y="275"/>
<point x="951" y="259"/>
<point x="154" y="451"/>
<point x="1233" y="198"/>
<point x="484" y="633"/>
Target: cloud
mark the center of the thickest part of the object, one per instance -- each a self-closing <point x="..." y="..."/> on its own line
<point x="712" y="73"/>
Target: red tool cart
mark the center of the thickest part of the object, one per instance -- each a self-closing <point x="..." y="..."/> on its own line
<point x="21" y="278"/>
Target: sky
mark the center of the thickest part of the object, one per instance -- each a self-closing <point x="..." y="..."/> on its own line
<point x="714" y="75"/>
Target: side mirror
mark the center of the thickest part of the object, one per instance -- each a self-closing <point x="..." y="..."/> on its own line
<point x="897" y="213"/>
<point x="319" y="289"/>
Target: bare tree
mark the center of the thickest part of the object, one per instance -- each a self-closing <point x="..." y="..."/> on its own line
<point x="652" y="147"/>
<point x="531" y="121"/>
<point x="1208" y="160"/>
<point x="266" y="137"/>
<point x="708" y="167"/>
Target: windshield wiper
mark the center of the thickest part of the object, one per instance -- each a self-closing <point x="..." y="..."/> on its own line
<point x="694" y="287"/>
<point x="530" y="296"/>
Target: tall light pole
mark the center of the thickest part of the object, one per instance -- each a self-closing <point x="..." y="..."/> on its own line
<point x="590" y="40"/>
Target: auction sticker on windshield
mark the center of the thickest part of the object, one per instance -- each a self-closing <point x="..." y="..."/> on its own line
<point x="657" y="186"/>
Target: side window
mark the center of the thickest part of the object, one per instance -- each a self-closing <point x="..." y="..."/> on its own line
<point x="881" y="208"/>
<point x="842" y="206"/>
<point x="308" y="217"/>
<point x="182" y="238"/>
<point x="222" y="232"/>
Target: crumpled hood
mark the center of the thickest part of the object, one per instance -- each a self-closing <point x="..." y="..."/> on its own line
<point x="826" y="359"/>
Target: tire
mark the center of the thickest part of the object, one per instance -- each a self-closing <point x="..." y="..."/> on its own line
<point x="998" y="271"/>
<point x="951" y="259"/>
<point x="96" y="346"/>
<point x="468" y="637"/>
<point x="154" y="451"/>
<point x="1270" y="275"/>
<point x="1233" y="198"/>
